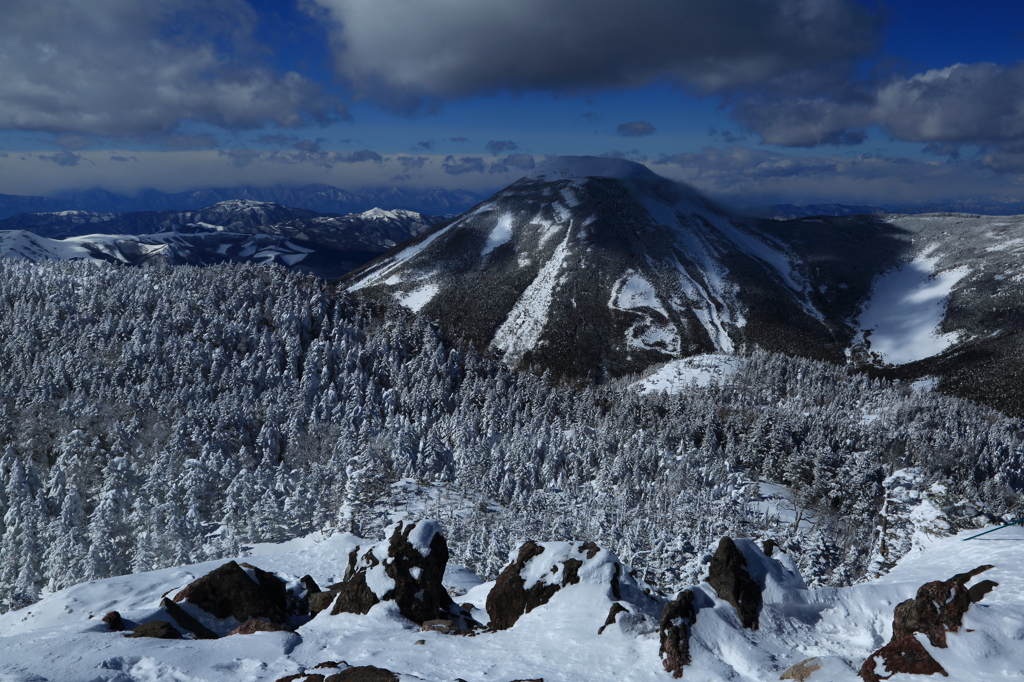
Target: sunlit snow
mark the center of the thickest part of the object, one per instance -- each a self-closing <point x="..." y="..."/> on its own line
<point x="906" y="309"/>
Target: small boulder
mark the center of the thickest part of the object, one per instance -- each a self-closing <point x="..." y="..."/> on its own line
<point x="444" y="626"/>
<point x="938" y="608"/>
<point x="182" y="618"/>
<point x="363" y="673"/>
<point x="114" y="621"/>
<point x="677" y="618"/>
<point x="732" y="582"/>
<point x="230" y="592"/>
<point x="254" y="625"/>
<point x="802" y="670"/>
<point x="157" y="629"/>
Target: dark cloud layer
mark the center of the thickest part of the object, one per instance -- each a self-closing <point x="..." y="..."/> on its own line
<point x="129" y="67"/>
<point x="444" y="48"/>
<point x="635" y="129"/>
<point x="498" y="146"/>
<point x="981" y="104"/>
<point x="463" y="165"/>
<point x="511" y="163"/>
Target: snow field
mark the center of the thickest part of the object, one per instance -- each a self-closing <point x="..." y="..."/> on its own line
<point x="905" y="311"/>
<point x="56" y="639"/>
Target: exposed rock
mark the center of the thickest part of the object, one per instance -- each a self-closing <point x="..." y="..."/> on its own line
<point x="254" y="625"/>
<point x="978" y="591"/>
<point x="419" y="642"/>
<point x="542" y="569"/>
<point x="905" y="655"/>
<point x="768" y="547"/>
<point x="938" y="608"/>
<point x="229" y="592"/>
<point x="363" y="673"/>
<point x="158" y="629"/>
<point x="408" y="569"/>
<point x="802" y="670"/>
<point x="182" y="618"/>
<point x="444" y="626"/>
<point x="731" y="581"/>
<point x="614" y="611"/>
<point x="509" y="599"/>
<point x="114" y="621"/>
<point x="677" y="618"/>
<point x="321" y="601"/>
<point x="309" y="584"/>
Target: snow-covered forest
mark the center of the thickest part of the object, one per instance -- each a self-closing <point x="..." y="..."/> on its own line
<point x="162" y="416"/>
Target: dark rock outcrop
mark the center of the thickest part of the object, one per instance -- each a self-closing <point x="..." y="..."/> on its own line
<point x="254" y="625"/>
<point x="114" y="621"/>
<point x="731" y="581"/>
<point x="158" y="629"/>
<point x="229" y="592"/>
<point x="613" y="612"/>
<point x="938" y="608"/>
<point x="508" y="599"/>
<point x="677" y="618"/>
<point x="363" y="673"/>
<point x="182" y="618"/>
<point x="410" y="564"/>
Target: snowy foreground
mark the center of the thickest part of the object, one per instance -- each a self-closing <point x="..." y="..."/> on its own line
<point x="61" y="638"/>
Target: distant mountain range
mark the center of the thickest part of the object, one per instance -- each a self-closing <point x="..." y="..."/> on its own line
<point x="236" y="231"/>
<point x="598" y="268"/>
<point x="789" y="211"/>
<point x="319" y="198"/>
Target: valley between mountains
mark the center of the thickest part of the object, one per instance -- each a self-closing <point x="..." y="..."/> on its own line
<point x="596" y="427"/>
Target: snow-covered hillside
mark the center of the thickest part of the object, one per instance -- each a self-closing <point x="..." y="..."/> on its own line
<point x="821" y="635"/>
<point x="594" y="266"/>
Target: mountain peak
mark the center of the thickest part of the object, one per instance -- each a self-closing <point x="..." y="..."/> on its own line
<point x="569" y="167"/>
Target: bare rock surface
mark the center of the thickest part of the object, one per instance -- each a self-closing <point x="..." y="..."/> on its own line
<point x="157" y="629"/>
<point x="230" y="592"/>
<point x="677" y="618"/>
<point x="938" y="608"/>
<point x="407" y="569"/>
<point x="732" y="582"/>
<point x="540" y="570"/>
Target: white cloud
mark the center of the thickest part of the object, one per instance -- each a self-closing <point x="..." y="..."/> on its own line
<point x="128" y="67"/>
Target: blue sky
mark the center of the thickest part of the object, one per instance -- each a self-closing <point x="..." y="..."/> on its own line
<point x="752" y="101"/>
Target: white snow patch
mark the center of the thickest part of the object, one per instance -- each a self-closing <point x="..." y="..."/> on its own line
<point x="501" y="233"/>
<point x="906" y="308"/>
<point x="382" y="271"/>
<point x="678" y="375"/>
<point x="417" y="298"/>
<point x="633" y="291"/>
<point x="525" y="323"/>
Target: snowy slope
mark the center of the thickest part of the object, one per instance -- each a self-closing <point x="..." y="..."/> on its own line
<point x="61" y="638"/>
<point x="596" y="266"/>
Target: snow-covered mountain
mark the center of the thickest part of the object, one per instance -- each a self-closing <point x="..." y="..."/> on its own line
<point x="238" y="231"/>
<point x="200" y="247"/>
<point x="315" y="197"/>
<point x="599" y="266"/>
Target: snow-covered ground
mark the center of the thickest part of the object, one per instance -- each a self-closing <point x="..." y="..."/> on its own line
<point x="62" y="638"/>
<point x="906" y="308"/>
<point x="678" y="375"/>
